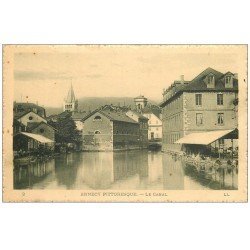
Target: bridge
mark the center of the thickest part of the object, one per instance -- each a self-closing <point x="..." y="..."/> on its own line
<point x="155" y="144"/>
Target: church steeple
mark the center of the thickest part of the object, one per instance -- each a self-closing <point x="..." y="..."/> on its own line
<point x="70" y="103"/>
<point x="71" y="95"/>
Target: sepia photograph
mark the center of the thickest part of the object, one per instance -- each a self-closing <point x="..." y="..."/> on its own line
<point x="125" y="123"/>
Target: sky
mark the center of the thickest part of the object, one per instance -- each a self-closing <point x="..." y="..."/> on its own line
<point x="43" y="74"/>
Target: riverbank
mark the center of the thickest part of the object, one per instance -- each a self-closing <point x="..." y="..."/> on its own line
<point x="122" y="170"/>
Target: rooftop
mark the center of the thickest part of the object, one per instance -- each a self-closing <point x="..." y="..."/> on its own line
<point x="112" y="115"/>
<point x="199" y="84"/>
<point x="140" y="97"/>
<point x="139" y="114"/>
<point x="21" y="108"/>
<point x="33" y="125"/>
<point x="156" y="110"/>
<point x="79" y="115"/>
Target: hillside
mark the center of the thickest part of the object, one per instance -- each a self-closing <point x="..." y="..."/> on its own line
<point x="92" y="103"/>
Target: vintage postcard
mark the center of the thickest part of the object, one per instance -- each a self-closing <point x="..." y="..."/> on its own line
<point x="125" y="123"/>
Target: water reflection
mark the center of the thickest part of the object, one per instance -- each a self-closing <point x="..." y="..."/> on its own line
<point x="26" y="176"/>
<point x="66" y="168"/>
<point x="173" y="173"/>
<point x="112" y="170"/>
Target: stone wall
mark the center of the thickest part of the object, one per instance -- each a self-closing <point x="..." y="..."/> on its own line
<point x="45" y="130"/>
<point x="126" y="135"/>
<point x="31" y="117"/>
<point x="173" y="126"/>
<point x="179" y="117"/>
<point x="209" y="109"/>
<point x="97" y="134"/>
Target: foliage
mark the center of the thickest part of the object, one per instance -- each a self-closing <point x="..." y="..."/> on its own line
<point x="66" y="131"/>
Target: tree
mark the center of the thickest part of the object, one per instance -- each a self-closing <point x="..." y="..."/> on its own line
<point x="66" y="130"/>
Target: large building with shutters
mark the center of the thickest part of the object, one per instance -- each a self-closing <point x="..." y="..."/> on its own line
<point x="153" y="114"/>
<point x="206" y="103"/>
<point x="108" y="129"/>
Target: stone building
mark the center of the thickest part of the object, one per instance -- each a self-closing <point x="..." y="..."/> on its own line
<point x="207" y="103"/>
<point x="29" y="117"/>
<point x="31" y="122"/>
<point x="42" y="128"/>
<point x="19" y="108"/>
<point x="30" y="128"/>
<point x="143" y="121"/>
<point x="153" y="114"/>
<point x="108" y="130"/>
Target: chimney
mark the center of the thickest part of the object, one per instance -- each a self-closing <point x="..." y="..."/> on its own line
<point x="163" y="92"/>
<point x="182" y="79"/>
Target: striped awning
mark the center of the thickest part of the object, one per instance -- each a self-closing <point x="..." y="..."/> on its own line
<point x="39" y="138"/>
<point x="205" y="138"/>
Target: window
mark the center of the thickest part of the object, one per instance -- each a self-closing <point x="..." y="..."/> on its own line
<point x="219" y="99"/>
<point x="199" y="119"/>
<point x="220" y="118"/>
<point x="198" y="99"/>
<point x="97" y="118"/>
<point x="30" y="118"/>
<point x="210" y="79"/>
<point x="41" y="130"/>
<point x="97" y="132"/>
<point x="228" y="79"/>
<point x="152" y="135"/>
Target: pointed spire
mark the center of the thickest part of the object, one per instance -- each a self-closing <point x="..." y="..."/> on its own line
<point x="71" y="95"/>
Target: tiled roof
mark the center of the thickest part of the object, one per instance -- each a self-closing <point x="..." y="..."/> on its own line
<point x="18" y="115"/>
<point x="112" y="115"/>
<point x="198" y="84"/>
<point x="22" y="108"/>
<point x="117" y="116"/>
<point x="26" y="105"/>
<point x="156" y="110"/>
<point x="64" y="114"/>
<point x="79" y="115"/>
<point x="33" y="125"/>
<point x="139" y="115"/>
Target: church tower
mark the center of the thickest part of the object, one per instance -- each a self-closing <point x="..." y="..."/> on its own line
<point x="70" y="103"/>
<point x="140" y="102"/>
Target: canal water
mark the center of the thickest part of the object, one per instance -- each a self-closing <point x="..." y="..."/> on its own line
<point x="125" y="170"/>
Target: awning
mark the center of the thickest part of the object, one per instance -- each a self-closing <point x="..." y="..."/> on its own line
<point x="37" y="137"/>
<point x="206" y="138"/>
